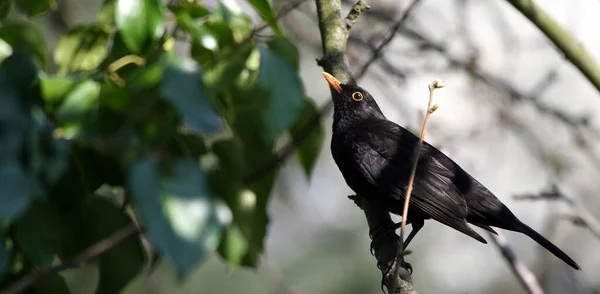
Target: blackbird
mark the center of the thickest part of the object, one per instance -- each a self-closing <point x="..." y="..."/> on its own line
<point x="375" y="157"/>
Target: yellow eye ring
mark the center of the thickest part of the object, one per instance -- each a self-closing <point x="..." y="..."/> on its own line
<point x="357" y="96"/>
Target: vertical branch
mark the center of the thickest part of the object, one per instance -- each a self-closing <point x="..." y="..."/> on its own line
<point x="334" y="36"/>
<point x="334" y="39"/>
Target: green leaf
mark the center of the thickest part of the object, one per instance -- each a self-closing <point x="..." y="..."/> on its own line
<point x="139" y="22"/>
<point x="224" y="75"/>
<point x="4" y="257"/>
<point x="123" y="263"/>
<point x="17" y="189"/>
<point x="193" y="8"/>
<point x="107" y="13"/>
<point x="78" y="108"/>
<point x="37" y="234"/>
<point x="267" y="13"/>
<point x="5" y="6"/>
<point x="185" y="91"/>
<point x="286" y="94"/>
<point x="181" y="219"/>
<point x="25" y="36"/>
<point x="308" y="151"/>
<point x="35" y="7"/>
<point x="234" y="245"/>
<point x="18" y="186"/>
<point x="82" y="48"/>
<point x="55" y="88"/>
<point x="54" y="284"/>
<point x="286" y="50"/>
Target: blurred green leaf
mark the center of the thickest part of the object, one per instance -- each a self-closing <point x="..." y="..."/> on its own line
<point x="17" y="189"/>
<point x="55" y="88"/>
<point x="249" y="202"/>
<point x="185" y="91"/>
<point x="123" y="263"/>
<point x="54" y="284"/>
<point x="78" y="108"/>
<point x="24" y="35"/>
<point x="202" y="36"/>
<point x="18" y="186"/>
<point x="234" y="245"/>
<point x="114" y="96"/>
<point x="37" y="234"/>
<point x="286" y="94"/>
<point x="35" y="7"/>
<point x="5" y="6"/>
<point x="224" y="75"/>
<point x="139" y="22"/>
<point x="267" y="13"/>
<point x="286" y="50"/>
<point x="107" y="14"/>
<point x="149" y="75"/>
<point x="309" y="149"/>
<point x="181" y="219"/>
<point x="193" y="8"/>
<point x="82" y="48"/>
<point x="188" y="144"/>
<point x="229" y="15"/>
<point x="4" y="257"/>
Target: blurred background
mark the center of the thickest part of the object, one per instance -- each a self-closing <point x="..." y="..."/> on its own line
<point x="514" y="113"/>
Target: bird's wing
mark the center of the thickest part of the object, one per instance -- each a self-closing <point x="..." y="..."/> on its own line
<point x="387" y="157"/>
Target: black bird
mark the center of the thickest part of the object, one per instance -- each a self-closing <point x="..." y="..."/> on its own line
<point x="376" y="155"/>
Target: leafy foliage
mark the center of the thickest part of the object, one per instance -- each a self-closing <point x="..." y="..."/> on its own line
<point x="112" y="128"/>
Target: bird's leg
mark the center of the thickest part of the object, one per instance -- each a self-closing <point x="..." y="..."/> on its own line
<point x="416" y="226"/>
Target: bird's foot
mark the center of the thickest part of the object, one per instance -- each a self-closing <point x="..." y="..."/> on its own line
<point x="388" y="273"/>
<point x="381" y="231"/>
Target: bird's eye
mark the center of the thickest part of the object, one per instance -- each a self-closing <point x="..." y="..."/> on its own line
<point x="357" y="96"/>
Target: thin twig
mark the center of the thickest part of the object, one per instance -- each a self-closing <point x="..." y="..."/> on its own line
<point x="355" y="12"/>
<point x="78" y="260"/>
<point x="389" y="36"/>
<point x="525" y="276"/>
<point x="282" y="13"/>
<point x="579" y="215"/>
<point x="430" y="109"/>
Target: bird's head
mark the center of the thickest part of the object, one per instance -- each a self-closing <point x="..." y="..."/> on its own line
<point x="351" y="101"/>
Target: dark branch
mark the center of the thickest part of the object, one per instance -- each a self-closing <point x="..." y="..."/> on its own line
<point x="80" y="259"/>
<point x="389" y="36"/>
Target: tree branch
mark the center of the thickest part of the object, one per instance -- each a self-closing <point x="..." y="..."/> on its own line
<point x="334" y="37"/>
<point x="579" y="216"/>
<point x="525" y="276"/>
<point x="78" y="260"/>
<point x="570" y="47"/>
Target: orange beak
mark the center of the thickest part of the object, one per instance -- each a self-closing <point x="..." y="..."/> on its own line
<point x="333" y="82"/>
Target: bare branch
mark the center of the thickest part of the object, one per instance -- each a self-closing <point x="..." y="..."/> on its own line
<point x="355" y="12"/>
<point x="389" y="36"/>
<point x="580" y="216"/>
<point x="80" y="259"/>
<point x="525" y="276"/>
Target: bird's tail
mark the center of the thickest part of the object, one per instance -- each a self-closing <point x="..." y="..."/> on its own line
<point x="525" y="229"/>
